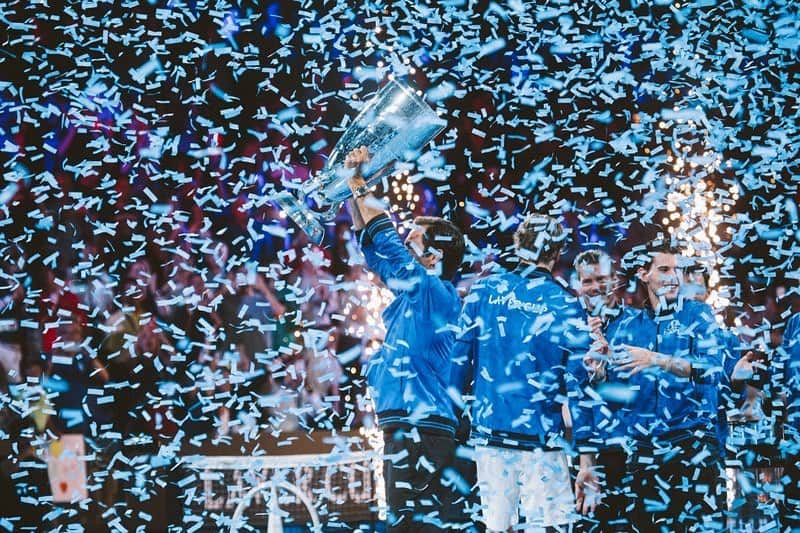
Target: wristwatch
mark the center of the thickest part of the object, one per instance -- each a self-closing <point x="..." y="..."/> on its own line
<point x="361" y="191"/>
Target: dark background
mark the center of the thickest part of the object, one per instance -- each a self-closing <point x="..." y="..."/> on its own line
<point x="143" y="136"/>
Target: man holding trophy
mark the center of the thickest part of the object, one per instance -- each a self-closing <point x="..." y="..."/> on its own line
<point x="408" y="376"/>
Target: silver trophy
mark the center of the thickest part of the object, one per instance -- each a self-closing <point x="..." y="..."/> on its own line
<point x="394" y="126"/>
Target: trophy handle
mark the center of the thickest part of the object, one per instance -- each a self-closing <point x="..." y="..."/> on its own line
<point x="304" y="217"/>
<point x="330" y="214"/>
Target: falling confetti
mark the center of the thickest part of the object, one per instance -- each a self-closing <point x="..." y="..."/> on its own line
<point x="157" y="302"/>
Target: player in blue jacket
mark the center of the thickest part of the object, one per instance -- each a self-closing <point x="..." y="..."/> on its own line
<point x="596" y="285"/>
<point x="520" y="346"/>
<point x="672" y="358"/>
<point x="744" y="377"/>
<point x="408" y="376"/>
<point x="789" y="365"/>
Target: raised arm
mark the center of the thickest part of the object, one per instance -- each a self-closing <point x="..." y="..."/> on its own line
<point x="385" y="253"/>
<point x="363" y="206"/>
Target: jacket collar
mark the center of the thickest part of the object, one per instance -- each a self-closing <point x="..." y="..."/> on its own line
<point x="611" y="314"/>
<point x="670" y="310"/>
<point x="533" y="272"/>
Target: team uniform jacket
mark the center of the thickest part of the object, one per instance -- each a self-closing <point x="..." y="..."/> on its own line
<point x="666" y="406"/>
<point x="408" y="375"/>
<point x="519" y="353"/>
<point x="609" y="404"/>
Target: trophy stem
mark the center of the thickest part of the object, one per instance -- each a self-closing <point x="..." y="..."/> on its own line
<point x="304" y="217"/>
<point x="310" y="185"/>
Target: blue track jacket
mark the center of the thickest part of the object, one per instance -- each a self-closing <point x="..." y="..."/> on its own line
<point x="607" y="424"/>
<point x="408" y="375"/>
<point x="666" y="406"/>
<point x="789" y="357"/>
<point x="519" y="352"/>
<point x="727" y="399"/>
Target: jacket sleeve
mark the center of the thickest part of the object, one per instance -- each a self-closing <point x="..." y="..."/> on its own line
<point x="387" y="256"/>
<point x="788" y="365"/>
<point x="462" y="354"/>
<point x="708" y="352"/>
<point x="581" y="396"/>
<point x="731" y="355"/>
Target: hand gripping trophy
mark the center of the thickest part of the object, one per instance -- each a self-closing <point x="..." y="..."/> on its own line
<point x="394" y="126"/>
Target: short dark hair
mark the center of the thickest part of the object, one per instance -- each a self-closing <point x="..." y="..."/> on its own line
<point x="539" y="239"/>
<point x="445" y="236"/>
<point x="701" y="269"/>
<point x="658" y="246"/>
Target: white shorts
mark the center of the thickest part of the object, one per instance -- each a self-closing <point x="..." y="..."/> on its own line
<point x="534" y="483"/>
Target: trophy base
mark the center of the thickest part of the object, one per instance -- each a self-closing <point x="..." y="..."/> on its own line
<point x="304" y="217"/>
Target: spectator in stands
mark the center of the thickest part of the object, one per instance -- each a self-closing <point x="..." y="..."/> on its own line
<point x="75" y="380"/>
<point x="127" y="339"/>
<point x="322" y="380"/>
<point x="54" y="296"/>
<point x="20" y="343"/>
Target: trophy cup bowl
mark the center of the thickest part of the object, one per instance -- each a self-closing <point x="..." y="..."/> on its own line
<point x="394" y="126"/>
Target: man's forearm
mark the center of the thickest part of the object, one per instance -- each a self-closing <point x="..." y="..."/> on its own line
<point x="674" y="365"/>
<point x="363" y="202"/>
<point x="587" y="461"/>
<point x="355" y="214"/>
<point x="368" y="207"/>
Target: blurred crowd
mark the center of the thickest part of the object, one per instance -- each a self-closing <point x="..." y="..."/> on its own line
<point x="150" y="288"/>
<point x="185" y="345"/>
